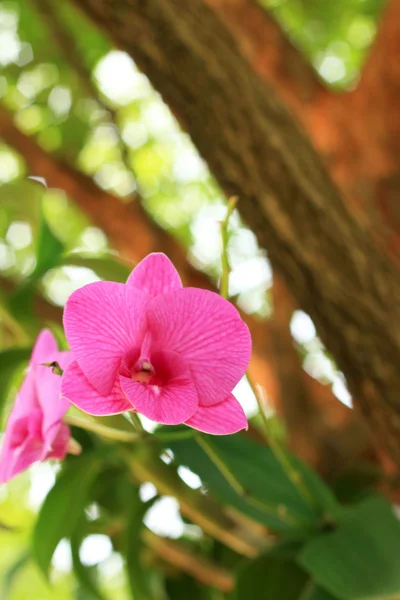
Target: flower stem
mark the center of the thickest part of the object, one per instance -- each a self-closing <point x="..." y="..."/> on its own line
<point x="221" y="466"/>
<point x="136" y="421"/>
<point x="226" y="268"/>
<point x="280" y="511"/>
<point x="108" y="432"/>
<point x="280" y="453"/>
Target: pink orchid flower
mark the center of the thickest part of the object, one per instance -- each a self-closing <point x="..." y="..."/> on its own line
<point x="35" y="431"/>
<point x="170" y="353"/>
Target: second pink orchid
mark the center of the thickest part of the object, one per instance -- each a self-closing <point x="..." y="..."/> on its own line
<point x="173" y="354"/>
<point x="35" y="431"/>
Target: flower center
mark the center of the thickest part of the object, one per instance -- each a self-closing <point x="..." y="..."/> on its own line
<point x="143" y="371"/>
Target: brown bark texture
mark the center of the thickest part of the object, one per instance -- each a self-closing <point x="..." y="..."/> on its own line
<point x="257" y="151"/>
<point x="356" y="132"/>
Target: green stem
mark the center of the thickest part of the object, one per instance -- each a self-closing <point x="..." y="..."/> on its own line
<point x="280" y="512"/>
<point x="226" y="269"/>
<point x="146" y="465"/>
<point x="104" y="431"/>
<point x="221" y="466"/>
<point x="280" y="453"/>
<point x="136" y="421"/>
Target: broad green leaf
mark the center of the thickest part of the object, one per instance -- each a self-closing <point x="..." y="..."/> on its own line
<point x="270" y="496"/>
<point x="49" y="249"/>
<point x="106" y="266"/>
<point x="271" y="578"/>
<point x="358" y="483"/>
<point x="63" y="507"/>
<point x="360" y="560"/>
<point x="10" y="360"/>
<point x="84" y="575"/>
<point x="317" y="593"/>
<point x="112" y="488"/>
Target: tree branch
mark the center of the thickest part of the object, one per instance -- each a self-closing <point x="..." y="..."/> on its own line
<point x="327" y="259"/>
<point x="197" y="566"/>
<point x="375" y="105"/>
<point x="333" y="129"/>
<point x="270" y="53"/>
<point x="379" y="87"/>
<point x="339" y="125"/>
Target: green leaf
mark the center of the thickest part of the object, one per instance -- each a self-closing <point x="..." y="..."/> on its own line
<point x="10" y="360"/>
<point x="360" y="560"/>
<point x="317" y="593"/>
<point x="278" y="503"/>
<point x="106" y="266"/>
<point x="20" y="303"/>
<point x="84" y="575"/>
<point x="138" y="581"/>
<point x="356" y="484"/>
<point x="63" y="507"/>
<point x="49" y="249"/>
<point x="277" y="578"/>
<point x="184" y="587"/>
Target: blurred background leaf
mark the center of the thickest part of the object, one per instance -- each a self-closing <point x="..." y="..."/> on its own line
<point x="276" y="577"/>
<point x="62" y="510"/>
<point x="358" y="561"/>
<point x="279" y="504"/>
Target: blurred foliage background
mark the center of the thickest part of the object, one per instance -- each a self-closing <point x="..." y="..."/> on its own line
<point x="87" y="105"/>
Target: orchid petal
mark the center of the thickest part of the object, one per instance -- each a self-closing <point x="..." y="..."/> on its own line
<point x="48" y="386"/>
<point x="76" y="388"/>
<point x="208" y="333"/>
<point x="26" y="400"/>
<point x="219" y="419"/>
<point x="57" y="442"/>
<point x="22" y="445"/>
<point x="155" y="275"/>
<point x="102" y="321"/>
<point x="45" y="346"/>
<point x="14" y="462"/>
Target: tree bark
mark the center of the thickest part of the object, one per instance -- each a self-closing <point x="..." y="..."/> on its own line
<point x="356" y="132"/>
<point x="257" y="152"/>
<point x="270" y="53"/>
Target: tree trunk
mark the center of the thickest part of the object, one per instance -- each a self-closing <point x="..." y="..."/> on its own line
<point x="257" y="152"/>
